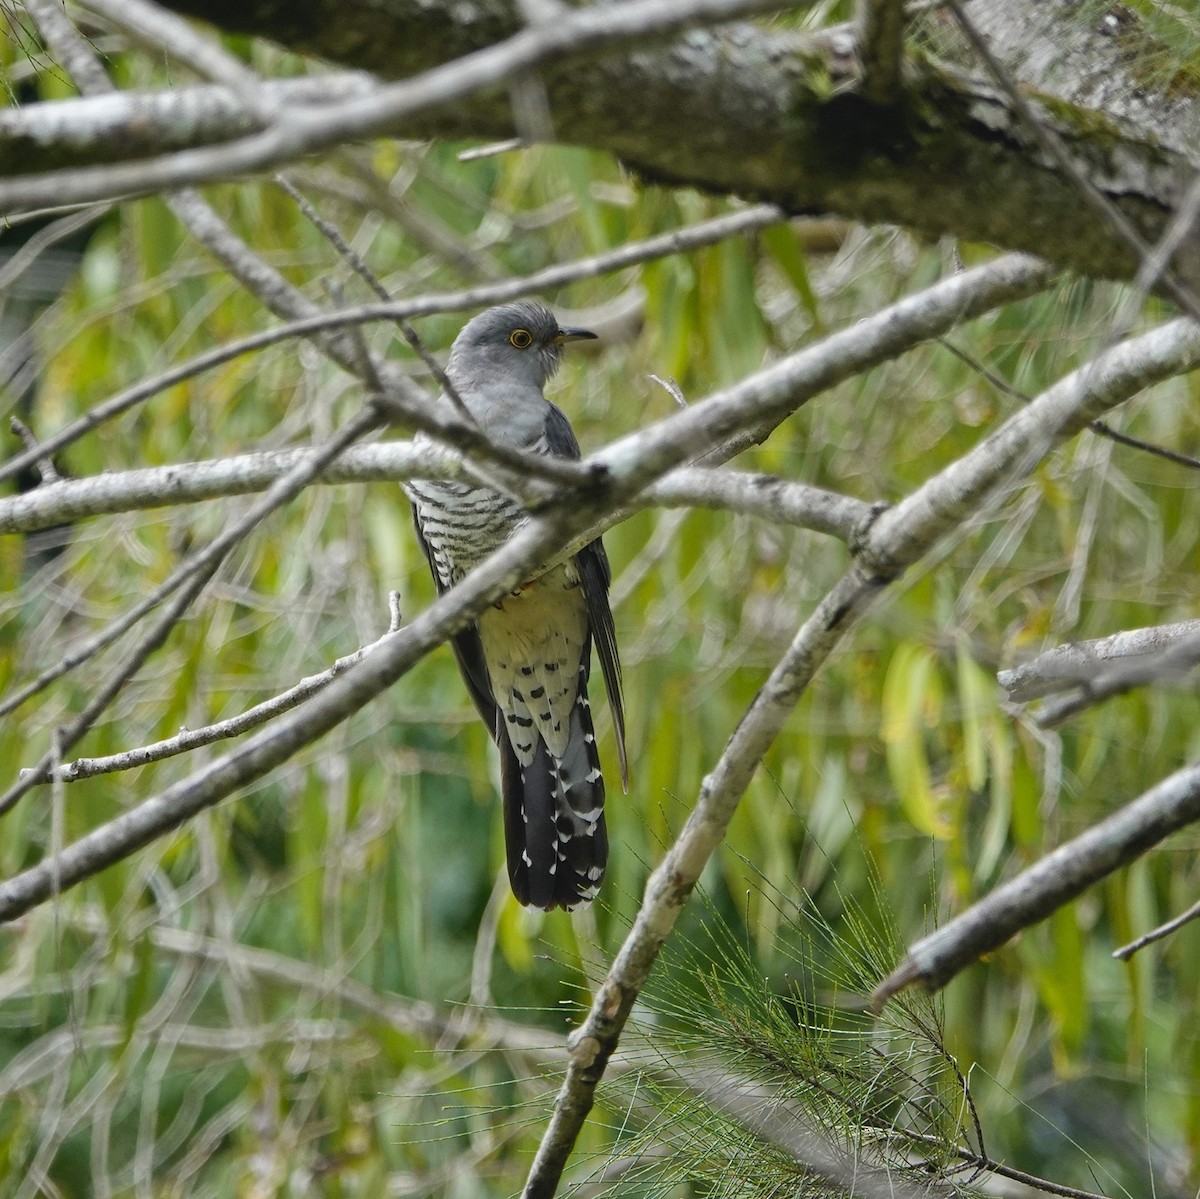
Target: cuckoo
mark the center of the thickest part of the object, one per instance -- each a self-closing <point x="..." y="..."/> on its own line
<point x="527" y="658"/>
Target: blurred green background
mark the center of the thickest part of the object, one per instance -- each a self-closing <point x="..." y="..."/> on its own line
<point x="312" y="989"/>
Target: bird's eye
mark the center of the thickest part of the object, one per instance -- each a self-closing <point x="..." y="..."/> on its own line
<point x="520" y="339"/>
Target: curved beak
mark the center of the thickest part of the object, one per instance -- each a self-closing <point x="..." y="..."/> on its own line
<point x="564" y="335"/>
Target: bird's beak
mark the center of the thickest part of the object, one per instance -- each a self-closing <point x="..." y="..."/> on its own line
<point x="573" y="335"/>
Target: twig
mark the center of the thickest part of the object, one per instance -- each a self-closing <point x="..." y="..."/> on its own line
<point x="491" y="149"/>
<point x="1168" y="665"/>
<point x="58" y="230"/>
<point x="159" y="30"/>
<point x="1157" y="934"/>
<point x="47" y="471"/>
<point x="152" y="640"/>
<point x="74" y="54"/>
<point x="1055" y="880"/>
<point x="333" y="235"/>
<point x="1103" y="428"/>
<point x="190" y="739"/>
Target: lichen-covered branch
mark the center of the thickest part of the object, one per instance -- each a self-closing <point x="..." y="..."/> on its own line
<point x="768" y="114"/>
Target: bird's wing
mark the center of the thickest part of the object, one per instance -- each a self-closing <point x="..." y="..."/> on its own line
<point x="595" y="575"/>
<point x="468" y="650"/>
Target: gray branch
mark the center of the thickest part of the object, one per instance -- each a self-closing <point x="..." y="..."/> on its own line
<point x="1057" y="879"/>
<point x="678" y="241"/>
<point x="769" y="114"/>
<point x="751" y="494"/>
<point x="1130" y="658"/>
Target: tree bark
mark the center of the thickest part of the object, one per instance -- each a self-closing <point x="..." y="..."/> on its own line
<point x="738" y="109"/>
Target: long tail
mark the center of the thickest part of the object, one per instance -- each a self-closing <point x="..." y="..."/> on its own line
<point x="554" y="817"/>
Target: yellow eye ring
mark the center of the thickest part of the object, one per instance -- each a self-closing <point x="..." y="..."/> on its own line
<point x="520" y="339"/>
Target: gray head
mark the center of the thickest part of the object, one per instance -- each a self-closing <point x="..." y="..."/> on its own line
<point x="519" y="343"/>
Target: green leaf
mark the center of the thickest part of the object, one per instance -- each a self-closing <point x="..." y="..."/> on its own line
<point x="787" y="251"/>
<point x="911" y="694"/>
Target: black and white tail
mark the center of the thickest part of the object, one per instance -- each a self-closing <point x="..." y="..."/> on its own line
<point x="554" y="814"/>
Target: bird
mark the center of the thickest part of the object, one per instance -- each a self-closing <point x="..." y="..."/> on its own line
<point x="526" y="659"/>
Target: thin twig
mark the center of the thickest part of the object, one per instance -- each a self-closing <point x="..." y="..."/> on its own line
<point x="1103" y="428"/>
<point x="333" y="235"/>
<point x="151" y="641"/>
<point x="47" y="471"/>
<point x="188" y="580"/>
<point x="161" y="31"/>
<point x="190" y="739"/>
<point x="1157" y="934"/>
<point x="1170" y="664"/>
<point x="41" y="241"/>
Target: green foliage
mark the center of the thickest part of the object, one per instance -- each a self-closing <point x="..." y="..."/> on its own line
<point x="212" y="1017"/>
<point x="787" y="1019"/>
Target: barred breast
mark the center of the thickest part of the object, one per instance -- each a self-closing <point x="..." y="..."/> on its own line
<point x="462" y="524"/>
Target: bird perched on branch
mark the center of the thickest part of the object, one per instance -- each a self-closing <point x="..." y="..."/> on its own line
<point x="526" y="660"/>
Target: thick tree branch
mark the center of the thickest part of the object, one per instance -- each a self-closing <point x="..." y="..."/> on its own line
<point x="1105" y="59"/>
<point x="761" y="116"/>
<point x="1057" y="879"/>
<point x="766" y="496"/>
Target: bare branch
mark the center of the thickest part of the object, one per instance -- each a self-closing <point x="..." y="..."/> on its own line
<point x="190" y="739"/>
<point x="298" y="132"/>
<point x="1057" y="879"/>
<point x="1102" y="428"/>
<point x="619" y="472"/>
<point x="185" y="583"/>
<point x="1079" y="664"/>
<point x="766" y="496"/>
<point x="1164" y="930"/>
<point x="772" y="126"/>
<point x="47" y="471"/>
<point x="41" y="241"/>
<point x="74" y="54"/>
